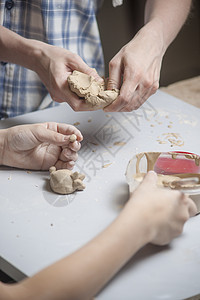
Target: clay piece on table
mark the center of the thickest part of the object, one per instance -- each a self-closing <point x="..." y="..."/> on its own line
<point x="188" y="183"/>
<point x="173" y="181"/>
<point x="66" y="181"/>
<point x="92" y="91"/>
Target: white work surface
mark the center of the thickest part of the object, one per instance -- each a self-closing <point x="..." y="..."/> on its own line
<point x="38" y="227"/>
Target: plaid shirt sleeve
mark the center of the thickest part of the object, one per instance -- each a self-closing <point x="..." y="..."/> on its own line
<point x="70" y="24"/>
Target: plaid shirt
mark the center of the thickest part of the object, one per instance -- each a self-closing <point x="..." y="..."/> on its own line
<point x="70" y="24"/>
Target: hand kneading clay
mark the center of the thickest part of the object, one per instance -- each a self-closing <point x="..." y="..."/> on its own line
<point x="65" y="181"/>
<point x="93" y="92"/>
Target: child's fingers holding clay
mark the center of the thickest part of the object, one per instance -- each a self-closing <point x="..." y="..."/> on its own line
<point x="70" y="131"/>
<point x="75" y="146"/>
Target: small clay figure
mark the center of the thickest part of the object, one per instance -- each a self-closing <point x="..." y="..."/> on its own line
<point x="65" y="181"/>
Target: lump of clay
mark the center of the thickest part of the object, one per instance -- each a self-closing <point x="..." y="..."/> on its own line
<point x="92" y="91"/>
<point x="65" y="181"/>
<point x="72" y="138"/>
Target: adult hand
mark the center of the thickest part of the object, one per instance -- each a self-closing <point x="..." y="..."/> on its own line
<point x="135" y="70"/>
<point x="40" y="146"/>
<point x="54" y="66"/>
<point x="165" y="211"/>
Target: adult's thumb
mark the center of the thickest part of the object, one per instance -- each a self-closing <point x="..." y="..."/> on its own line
<point x="84" y="68"/>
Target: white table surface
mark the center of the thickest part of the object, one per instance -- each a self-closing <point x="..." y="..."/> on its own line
<point x="38" y="227"/>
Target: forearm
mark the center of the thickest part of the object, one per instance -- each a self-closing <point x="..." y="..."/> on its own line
<point x="18" y="50"/>
<point x="82" y="274"/>
<point x="167" y="17"/>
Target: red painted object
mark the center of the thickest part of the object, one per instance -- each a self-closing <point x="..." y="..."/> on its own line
<point x="167" y="165"/>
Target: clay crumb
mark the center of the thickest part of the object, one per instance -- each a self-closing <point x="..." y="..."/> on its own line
<point x="93" y="143"/>
<point x="90" y="120"/>
<point x="29" y="172"/>
<point x="9" y="178"/>
<point x="76" y="123"/>
<point x="176" y="143"/>
<point x="162" y="142"/>
<point x="169" y="126"/>
<point x="107" y="165"/>
<point x="72" y="138"/>
<point x="152" y="125"/>
<point x="173" y="138"/>
<point x="119" y="143"/>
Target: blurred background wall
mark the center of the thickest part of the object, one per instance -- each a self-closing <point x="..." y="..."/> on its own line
<point x="118" y="25"/>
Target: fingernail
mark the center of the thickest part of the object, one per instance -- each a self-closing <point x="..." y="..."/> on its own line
<point x="76" y="144"/>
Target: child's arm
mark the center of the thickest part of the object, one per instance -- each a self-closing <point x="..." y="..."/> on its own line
<point x="151" y="215"/>
<point x="39" y="146"/>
